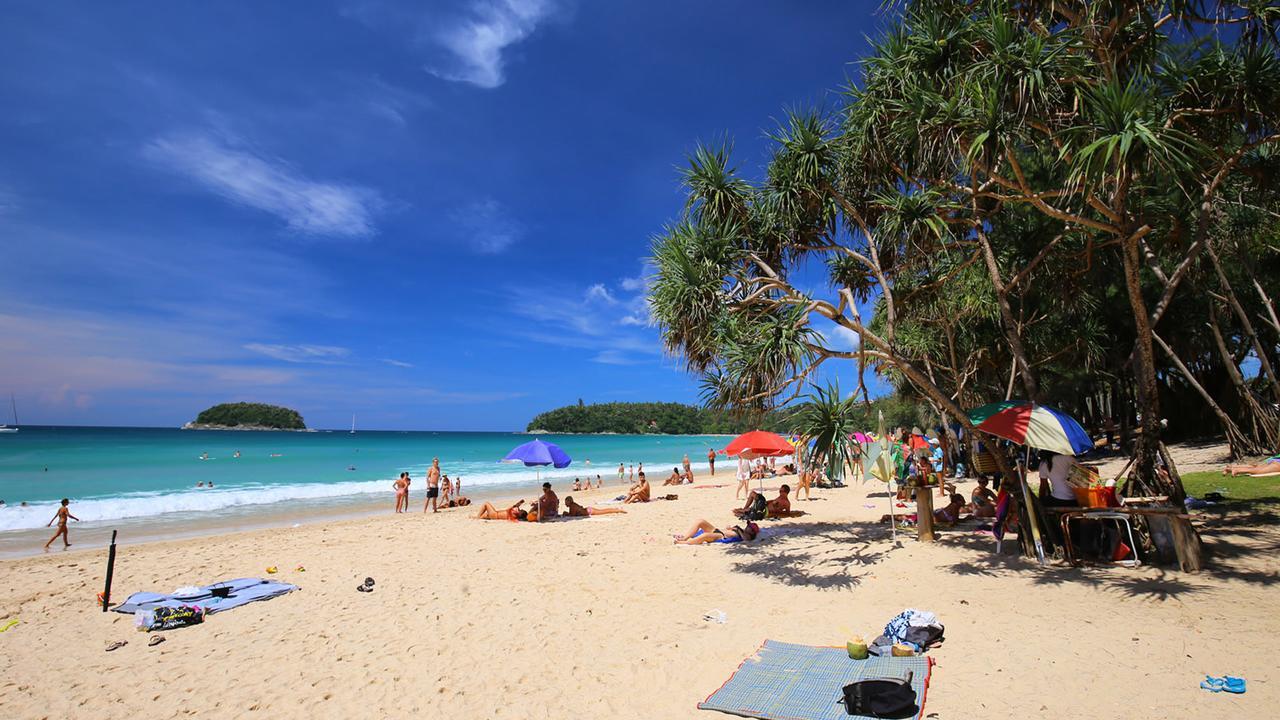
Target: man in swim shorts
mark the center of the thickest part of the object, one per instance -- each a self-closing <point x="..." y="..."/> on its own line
<point x="433" y="486"/>
<point x="548" y="503"/>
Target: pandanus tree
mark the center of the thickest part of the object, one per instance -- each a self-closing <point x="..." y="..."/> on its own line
<point x="1076" y="111"/>
<point x="828" y="420"/>
<point x="1026" y="185"/>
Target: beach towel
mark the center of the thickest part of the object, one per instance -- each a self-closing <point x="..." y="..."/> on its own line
<point x="783" y="681"/>
<point x="243" y="591"/>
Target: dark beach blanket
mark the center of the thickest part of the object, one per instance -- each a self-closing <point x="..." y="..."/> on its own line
<point x="243" y="591"/>
<point x="783" y="681"/>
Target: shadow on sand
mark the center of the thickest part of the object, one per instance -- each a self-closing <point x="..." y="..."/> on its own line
<point x="836" y="556"/>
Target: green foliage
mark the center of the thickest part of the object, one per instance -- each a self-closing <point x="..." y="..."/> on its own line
<point x="255" y="414"/>
<point x="643" y="418"/>
<point x="829" y="420"/>
<point x="1240" y="487"/>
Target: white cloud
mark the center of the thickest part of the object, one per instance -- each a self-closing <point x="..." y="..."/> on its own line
<point x="397" y="363"/>
<point x="610" y="322"/>
<point x="841" y="338"/>
<point x="489" y="228"/>
<point x="600" y="292"/>
<point x="269" y="184"/>
<point x="476" y="43"/>
<point x="300" y="353"/>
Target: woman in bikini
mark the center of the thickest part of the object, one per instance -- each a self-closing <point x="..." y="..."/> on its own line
<point x="576" y="510"/>
<point x="61" y="516"/>
<point x="704" y="532"/>
<point x="513" y="513"/>
<point x="402" y="492"/>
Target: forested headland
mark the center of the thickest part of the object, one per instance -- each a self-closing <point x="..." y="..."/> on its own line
<point x="248" y="416"/>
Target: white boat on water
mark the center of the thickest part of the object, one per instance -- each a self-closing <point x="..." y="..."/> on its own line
<point x="14" y="405"/>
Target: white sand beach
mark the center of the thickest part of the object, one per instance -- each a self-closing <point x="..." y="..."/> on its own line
<point x="603" y="618"/>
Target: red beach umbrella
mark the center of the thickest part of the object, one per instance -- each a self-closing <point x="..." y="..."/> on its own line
<point x="759" y="443"/>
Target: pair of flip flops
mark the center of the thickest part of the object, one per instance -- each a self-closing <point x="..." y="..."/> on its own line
<point x="154" y="641"/>
<point x="1233" y="685"/>
<point x="367" y="586"/>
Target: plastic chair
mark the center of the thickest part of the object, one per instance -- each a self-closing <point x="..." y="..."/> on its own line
<point x="1121" y="518"/>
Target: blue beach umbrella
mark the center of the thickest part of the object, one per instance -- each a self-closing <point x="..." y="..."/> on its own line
<point x="537" y="453"/>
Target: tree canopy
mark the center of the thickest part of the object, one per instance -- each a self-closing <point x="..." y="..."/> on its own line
<point x="1072" y="202"/>
<point x="243" y="414"/>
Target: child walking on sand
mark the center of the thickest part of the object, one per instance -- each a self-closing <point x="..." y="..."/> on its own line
<point x="61" y="516"/>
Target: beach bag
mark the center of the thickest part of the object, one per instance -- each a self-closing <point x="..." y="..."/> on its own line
<point x="758" y="509"/>
<point x="924" y="636"/>
<point x="881" y="698"/>
<point x="168" y="618"/>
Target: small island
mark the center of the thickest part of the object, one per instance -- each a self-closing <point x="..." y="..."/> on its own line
<point x="247" y="416"/>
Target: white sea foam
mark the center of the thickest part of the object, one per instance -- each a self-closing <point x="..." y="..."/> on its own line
<point x="231" y="499"/>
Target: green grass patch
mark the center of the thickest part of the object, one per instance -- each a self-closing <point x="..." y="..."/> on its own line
<point x="1241" y="487"/>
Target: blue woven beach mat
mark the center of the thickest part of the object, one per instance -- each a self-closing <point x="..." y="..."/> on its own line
<point x="783" y="681"/>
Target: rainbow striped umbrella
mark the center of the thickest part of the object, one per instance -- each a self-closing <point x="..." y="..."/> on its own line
<point x="1037" y="426"/>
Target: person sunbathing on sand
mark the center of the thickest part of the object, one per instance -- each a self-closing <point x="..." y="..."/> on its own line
<point x="948" y="515"/>
<point x="548" y="503"/>
<point x="687" y="477"/>
<point x="1266" y="467"/>
<point x="982" y="500"/>
<point x="704" y="532"/>
<point x="513" y="513"/>
<point x="758" y="508"/>
<point x="639" y="493"/>
<point x="577" y="485"/>
<point x="573" y="509"/>
<point x="673" y="479"/>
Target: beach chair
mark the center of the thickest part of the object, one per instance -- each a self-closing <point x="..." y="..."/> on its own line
<point x="984" y="465"/>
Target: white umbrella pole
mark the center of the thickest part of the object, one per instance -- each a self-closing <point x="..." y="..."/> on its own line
<point x="1031" y="510"/>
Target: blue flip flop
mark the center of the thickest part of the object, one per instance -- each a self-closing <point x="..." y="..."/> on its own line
<point x="1213" y="684"/>
<point x="1233" y="685"/>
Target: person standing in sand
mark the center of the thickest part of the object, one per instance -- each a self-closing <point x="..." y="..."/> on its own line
<point x="446" y="491"/>
<point x="744" y="477"/>
<point x="433" y="486"/>
<point x="399" y="487"/>
<point x="711" y="459"/>
<point x="61" y="516"/>
<point x="687" y="465"/>
<point x="631" y="473"/>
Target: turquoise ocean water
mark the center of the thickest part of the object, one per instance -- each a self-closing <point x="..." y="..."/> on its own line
<point x="148" y="475"/>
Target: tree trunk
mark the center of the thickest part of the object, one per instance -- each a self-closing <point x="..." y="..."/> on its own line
<point x="1011" y="332"/>
<point x="1263" y="430"/>
<point x="1236" y="439"/>
<point x="1246" y="325"/>
<point x="1144" y="373"/>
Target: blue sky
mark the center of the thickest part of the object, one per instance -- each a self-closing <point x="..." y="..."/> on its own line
<point x="433" y="215"/>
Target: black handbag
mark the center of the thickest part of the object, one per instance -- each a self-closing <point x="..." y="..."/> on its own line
<point x="881" y="698"/>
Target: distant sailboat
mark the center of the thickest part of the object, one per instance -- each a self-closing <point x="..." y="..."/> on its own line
<point x="353" y="423"/>
<point x="14" y="405"/>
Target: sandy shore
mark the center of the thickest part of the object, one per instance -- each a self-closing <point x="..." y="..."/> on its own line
<point x="603" y="618"/>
